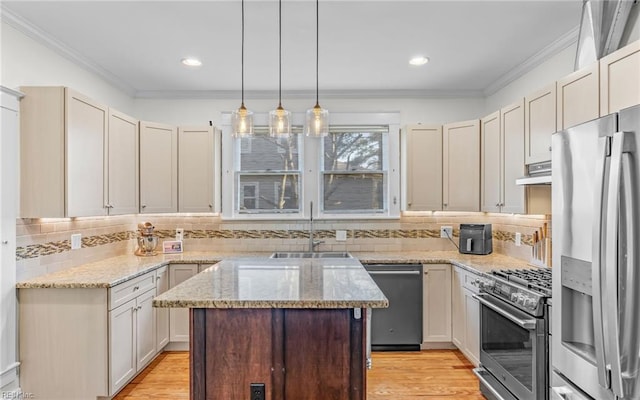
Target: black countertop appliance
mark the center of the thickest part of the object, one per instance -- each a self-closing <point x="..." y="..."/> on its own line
<point x="475" y="239"/>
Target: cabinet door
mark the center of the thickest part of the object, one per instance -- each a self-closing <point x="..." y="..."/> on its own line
<point x="122" y="341"/>
<point x="437" y="303"/>
<point x="122" y="156"/>
<point x="458" y="317"/>
<point x="578" y="97"/>
<point x="179" y="317"/>
<point x="491" y="169"/>
<point x="512" y="126"/>
<point x="540" y="124"/>
<point x="195" y="169"/>
<point x="86" y="131"/>
<point x="162" y="314"/>
<point x="472" y="327"/>
<point x="424" y="167"/>
<point x="158" y="168"/>
<point x="146" y="329"/>
<point x="620" y="79"/>
<point x="461" y="166"/>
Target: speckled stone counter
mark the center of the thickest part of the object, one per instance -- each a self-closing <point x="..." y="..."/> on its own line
<point x="115" y="270"/>
<point x="258" y="282"/>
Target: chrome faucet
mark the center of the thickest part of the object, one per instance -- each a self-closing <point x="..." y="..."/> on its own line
<point x="312" y="243"/>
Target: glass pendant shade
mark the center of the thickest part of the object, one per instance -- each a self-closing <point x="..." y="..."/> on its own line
<point x="279" y="122"/>
<point x="242" y="122"/>
<point x="317" y="122"/>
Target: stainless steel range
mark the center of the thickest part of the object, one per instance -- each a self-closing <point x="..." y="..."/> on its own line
<point x="514" y="344"/>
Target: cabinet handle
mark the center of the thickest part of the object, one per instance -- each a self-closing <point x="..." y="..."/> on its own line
<point x="497" y="204"/>
<point x="210" y="205"/>
<point x="426" y="272"/>
<point x="445" y="204"/>
<point x="5" y="242"/>
<point x="144" y="206"/>
<point x="409" y="204"/>
<point x="136" y="288"/>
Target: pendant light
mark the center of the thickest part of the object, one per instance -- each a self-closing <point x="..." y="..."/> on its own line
<point x="317" y="119"/>
<point x="279" y="119"/>
<point x="242" y="119"/>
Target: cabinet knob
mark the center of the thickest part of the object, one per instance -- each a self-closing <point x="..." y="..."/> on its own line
<point x="549" y="148"/>
<point x="445" y="205"/>
<point x="426" y="272"/>
<point x="210" y="205"/>
<point x="5" y="242"/>
<point x="497" y="204"/>
<point x="409" y="204"/>
<point x="144" y="206"/>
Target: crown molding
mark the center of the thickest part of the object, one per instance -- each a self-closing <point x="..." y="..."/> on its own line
<point x="307" y="94"/>
<point x="55" y="45"/>
<point x="530" y="63"/>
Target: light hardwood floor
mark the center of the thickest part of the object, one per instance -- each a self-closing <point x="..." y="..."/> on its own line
<point x="432" y="374"/>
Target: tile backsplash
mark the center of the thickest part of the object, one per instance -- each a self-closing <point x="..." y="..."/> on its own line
<point x="44" y="244"/>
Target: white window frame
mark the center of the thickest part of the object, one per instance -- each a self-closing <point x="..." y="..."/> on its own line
<point x="310" y="174"/>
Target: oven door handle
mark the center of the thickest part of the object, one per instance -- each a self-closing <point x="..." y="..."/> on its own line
<point x="527" y="324"/>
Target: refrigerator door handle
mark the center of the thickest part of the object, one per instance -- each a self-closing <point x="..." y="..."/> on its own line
<point x="597" y="272"/>
<point x="617" y="264"/>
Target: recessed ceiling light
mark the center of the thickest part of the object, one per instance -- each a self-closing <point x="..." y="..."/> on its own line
<point x="191" y="62"/>
<point x="420" y="60"/>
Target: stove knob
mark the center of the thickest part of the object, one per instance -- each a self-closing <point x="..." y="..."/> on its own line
<point x="514" y="297"/>
<point x="530" y="303"/>
<point x="521" y="299"/>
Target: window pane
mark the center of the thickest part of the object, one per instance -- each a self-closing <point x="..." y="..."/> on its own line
<point x="361" y="151"/>
<point x="268" y="192"/>
<point x="264" y="153"/>
<point x="354" y="192"/>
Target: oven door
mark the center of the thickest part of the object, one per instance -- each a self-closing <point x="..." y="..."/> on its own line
<point x="513" y="348"/>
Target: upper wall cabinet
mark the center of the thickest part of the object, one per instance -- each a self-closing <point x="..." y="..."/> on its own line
<point x="461" y="166"/>
<point x="196" y="169"/>
<point x="620" y="79"/>
<point x="540" y="124"/>
<point x="424" y="167"/>
<point x="503" y="160"/>
<point x="158" y="168"/>
<point x="122" y="159"/>
<point x="62" y="154"/>
<point x="578" y="97"/>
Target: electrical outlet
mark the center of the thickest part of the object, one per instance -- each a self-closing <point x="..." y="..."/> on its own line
<point x="179" y="234"/>
<point x="257" y="391"/>
<point x="446" y="232"/>
<point x="341" y="236"/>
<point x="518" y="239"/>
<point x="76" y="241"/>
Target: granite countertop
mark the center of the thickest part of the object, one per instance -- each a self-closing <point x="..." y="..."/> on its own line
<point x="112" y="271"/>
<point x="258" y="282"/>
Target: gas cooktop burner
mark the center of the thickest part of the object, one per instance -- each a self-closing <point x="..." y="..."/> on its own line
<point x="537" y="279"/>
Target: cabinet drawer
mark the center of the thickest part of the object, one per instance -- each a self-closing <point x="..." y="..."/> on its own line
<point x="128" y="290"/>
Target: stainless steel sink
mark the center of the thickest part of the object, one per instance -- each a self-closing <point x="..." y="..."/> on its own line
<point x="303" y="254"/>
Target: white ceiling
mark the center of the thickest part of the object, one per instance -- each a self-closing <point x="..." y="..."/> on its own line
<point x="474" y="46"/>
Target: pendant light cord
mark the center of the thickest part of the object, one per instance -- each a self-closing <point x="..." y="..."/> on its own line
<point x="280" y="53"/>
<point x="242" y="56"/>
<point x="317" y="48"/>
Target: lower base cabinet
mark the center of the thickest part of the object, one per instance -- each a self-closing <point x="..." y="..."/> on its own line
<point x="179" y="317"/>
<point x="436" y="330"/>
<point x="465" y="324"/>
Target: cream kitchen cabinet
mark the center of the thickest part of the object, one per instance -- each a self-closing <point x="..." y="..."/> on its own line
<point x="196" y="169"/>
<point x="63" y="137"/>
<point x="465" y="325"/>
<point x="423" y="145"/>
<point x="620" y="79"/>
<point x="578" y="97"/>
<point x="162" y="314"/>
<point x="502" y="160"/>
<point x="179" y="317"/>
<point x="461" y="166"/>
<point x="123" y="150"/>
<point x="436" y="331"/>
<point x="158" y="168"/>
<point x="540" y="124"/>
<point x="103" y="338"/>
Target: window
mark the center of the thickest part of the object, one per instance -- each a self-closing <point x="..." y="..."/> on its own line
<point x="352" y="173"/>
<point x="268" y="174"/>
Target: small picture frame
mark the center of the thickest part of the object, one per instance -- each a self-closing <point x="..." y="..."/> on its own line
<point x="172" y="246"/>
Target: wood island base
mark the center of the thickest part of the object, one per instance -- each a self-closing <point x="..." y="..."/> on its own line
<point x="296" y="353"/>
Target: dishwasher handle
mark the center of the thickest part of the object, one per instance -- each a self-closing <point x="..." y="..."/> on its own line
<point x="387" y="272"/>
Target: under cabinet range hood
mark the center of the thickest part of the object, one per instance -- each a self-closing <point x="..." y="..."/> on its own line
<point x="537" y="174"/>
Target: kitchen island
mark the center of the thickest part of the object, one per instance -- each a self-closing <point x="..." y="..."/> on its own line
<point x="290" y="328"/>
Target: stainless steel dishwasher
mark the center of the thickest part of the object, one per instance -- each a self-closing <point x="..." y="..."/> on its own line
<point x="398" y="327"/>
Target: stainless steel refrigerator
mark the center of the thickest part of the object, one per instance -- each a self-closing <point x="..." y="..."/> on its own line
<point x="595" y="345"/>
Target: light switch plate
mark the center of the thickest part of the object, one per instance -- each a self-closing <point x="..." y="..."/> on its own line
<point x="179" y="234"/>
<point x="341" y="236"/>
<point x="518" y="239"/>
<point x="76" y="241"/>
